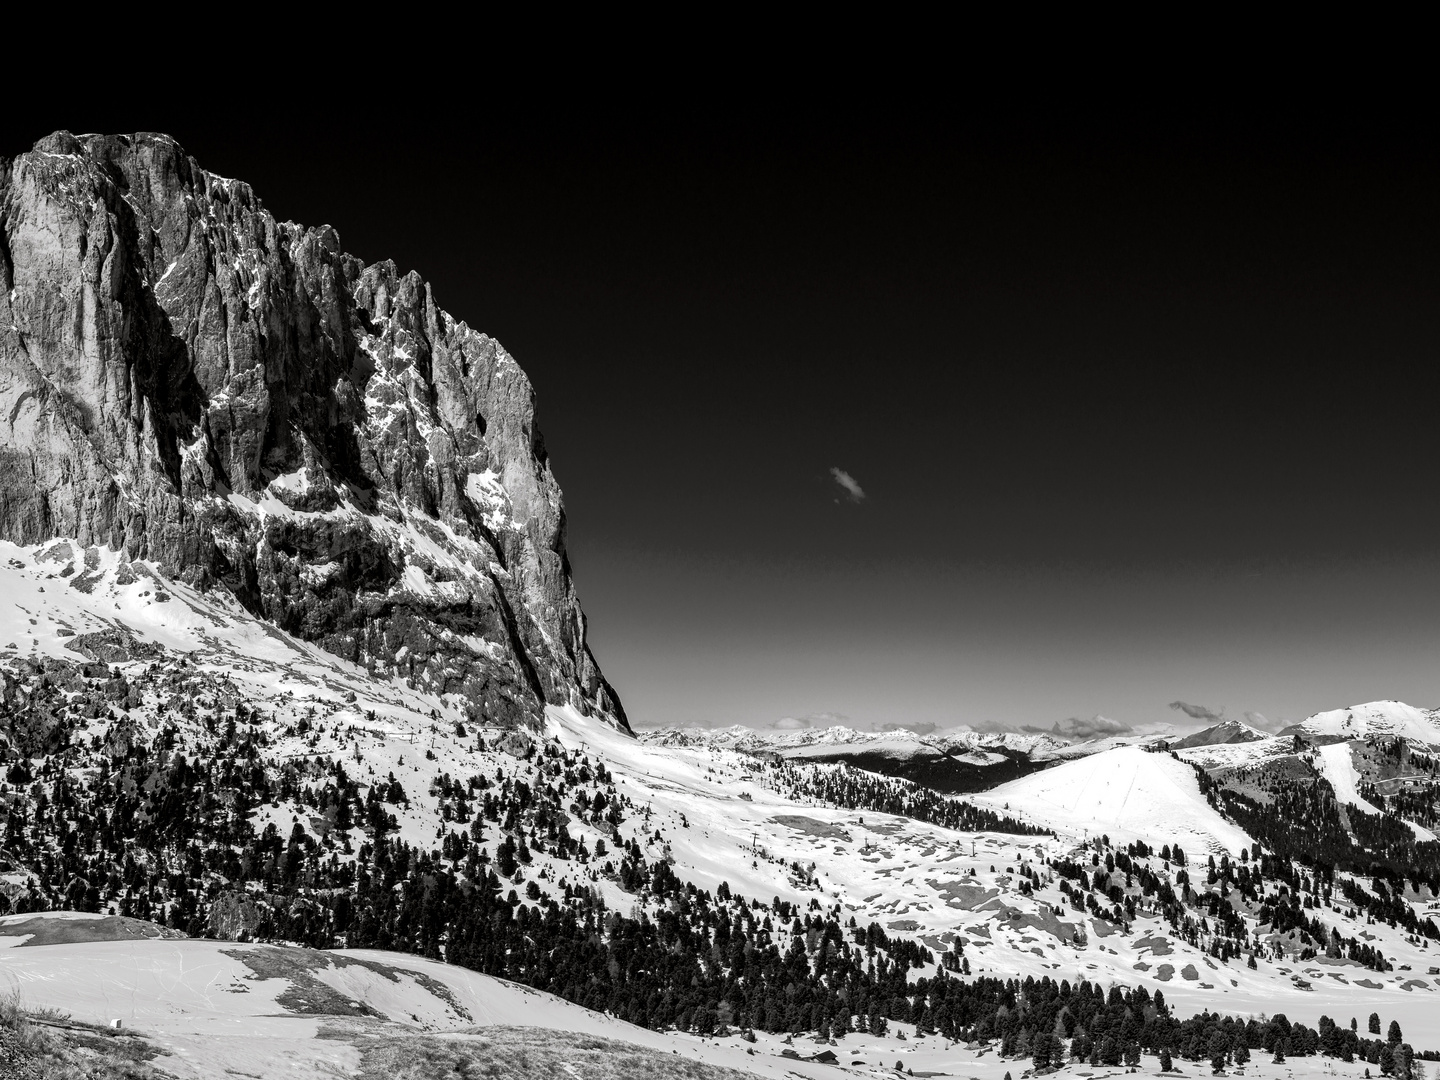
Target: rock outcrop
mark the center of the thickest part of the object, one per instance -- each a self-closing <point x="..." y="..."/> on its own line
<point x="243" y="404"/>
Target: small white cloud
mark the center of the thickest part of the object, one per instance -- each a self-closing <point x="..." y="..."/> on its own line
<point x="1264" y="723"/>
<point x="853" y="491"/>
<point x="1097" y="727"/>
<point x="821" y="719"/>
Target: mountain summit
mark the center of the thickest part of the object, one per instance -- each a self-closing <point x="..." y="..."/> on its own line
<point x="242" y="404"/>
<point x="1222" y="734"/>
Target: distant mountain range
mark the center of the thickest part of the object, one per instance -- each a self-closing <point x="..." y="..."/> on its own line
<point x="959" y="760"/>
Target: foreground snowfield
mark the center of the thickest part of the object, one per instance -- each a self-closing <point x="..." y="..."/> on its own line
<point x="219" y="1009"/>
<point x="712" y="809"/>
<point x="219" y="1015"/>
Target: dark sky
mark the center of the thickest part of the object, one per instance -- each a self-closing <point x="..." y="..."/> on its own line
<point x="1140" y="398"/>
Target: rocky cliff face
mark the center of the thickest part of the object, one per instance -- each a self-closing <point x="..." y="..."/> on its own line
<point x="189" y="381"/>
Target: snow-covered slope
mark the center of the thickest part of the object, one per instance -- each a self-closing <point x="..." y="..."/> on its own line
<point x="218" y="1006"/>
<point x="1336" y="765"/>
<point x="222" y="1009"/>
<point x="714" y="814"/>
<point x="1238" y="755"/>
<point x="722" y="821"/>
<point x="1127" y="793"/>
<point x="216" y="1010"/>
<point x="126" y="615"/>
<point x="1375" y="718"/>
<point x="1336" y="762"/>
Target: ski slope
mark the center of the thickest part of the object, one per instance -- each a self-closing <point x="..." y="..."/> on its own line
<point x="1126" y="793"/>
<point x="1336" y="762"/>
<point x="1337" y="765"/>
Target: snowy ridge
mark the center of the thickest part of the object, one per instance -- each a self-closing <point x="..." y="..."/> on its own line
<point x="1374" y="718"/>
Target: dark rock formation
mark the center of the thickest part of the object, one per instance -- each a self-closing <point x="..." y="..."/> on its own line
<point x="243" y="404"/>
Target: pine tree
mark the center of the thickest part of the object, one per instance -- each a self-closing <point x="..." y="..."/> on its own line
<point x="1219" y="1051"/>
<point x="1042" y="1050"/>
